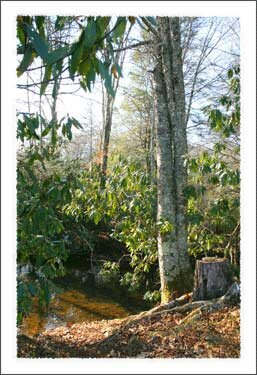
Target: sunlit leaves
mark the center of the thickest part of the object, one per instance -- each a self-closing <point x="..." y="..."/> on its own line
<point x="81" y="54"/>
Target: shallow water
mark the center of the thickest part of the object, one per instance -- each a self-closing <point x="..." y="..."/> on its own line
<point x="69" y="307"/>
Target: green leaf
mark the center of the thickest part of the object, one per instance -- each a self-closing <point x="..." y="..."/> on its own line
<point x="40" y="45"/>
<point x="106" y="77"/>
<point x="230" y="73"/>
<point x="31" y="123"/>
<point x="20" y="33"/>
<point x="68" y="129"/>
<point x="53" y="136"/>
<point x="26" y="61"/>
<point x="32" y="289"/>
<point x="46" y="131"/>
<point x="97" y="217"/>
<point x="76" y="123"/>
<point x="47" y="76"/>
<point x="102" y="23"/>
<point x="58" y="54"/>
<point x="39" y="21"/>
<point x="119" y="28"/>
<point x="76" y="57"/>
<point x="83" y="85"/>
<point x="55" y="88"/>
<point x="60" y="22"/>
<point x="84" y="67"/>
<point x="90" y="34"/>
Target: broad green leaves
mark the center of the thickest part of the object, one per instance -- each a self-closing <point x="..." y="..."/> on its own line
<point x="214" y="215"/>
<point x="128" y="202"/>
<point x="42" y="227"/>
<point x="83" y="55"/>
<point x="226" y="120"/>
<point x="29" y="129"/>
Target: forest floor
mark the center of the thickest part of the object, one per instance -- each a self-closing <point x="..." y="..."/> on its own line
<point x="212" y="334"/>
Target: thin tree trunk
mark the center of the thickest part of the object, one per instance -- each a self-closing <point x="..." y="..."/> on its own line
<point x="152" y="146"/>
<point x="106" y="137"/>
<point x="107" y="123"/>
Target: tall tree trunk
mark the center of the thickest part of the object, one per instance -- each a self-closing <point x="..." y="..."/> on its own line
<point x="167" y="247"/>
<point x="152" y="145"/>
<point x="180" y="146"/>
<point x="170" y="62"/>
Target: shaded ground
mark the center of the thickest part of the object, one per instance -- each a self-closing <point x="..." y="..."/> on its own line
<point x="212" y="334"/>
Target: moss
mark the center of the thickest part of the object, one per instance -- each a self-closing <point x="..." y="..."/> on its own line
<point x="181" y="284"/>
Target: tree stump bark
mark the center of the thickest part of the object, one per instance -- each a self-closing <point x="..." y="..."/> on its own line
<point x="212" y="278"/>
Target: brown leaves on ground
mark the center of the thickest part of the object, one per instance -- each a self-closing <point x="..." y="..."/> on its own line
<point x="213" y="334"/>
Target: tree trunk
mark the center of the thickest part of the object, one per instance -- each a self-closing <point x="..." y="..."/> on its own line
<point x="106" y="136"/>
<point x="108" y="112"/>
<point x="212" y="278"/>
<point x="167" y="249"/>
<point x="175" y="270"/>
<point x="173" y="72"/>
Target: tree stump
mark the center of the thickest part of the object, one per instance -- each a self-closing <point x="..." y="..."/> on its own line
<point x="212" y="278"/>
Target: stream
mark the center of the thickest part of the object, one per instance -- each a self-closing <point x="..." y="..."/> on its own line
<point x="75" y="306"/>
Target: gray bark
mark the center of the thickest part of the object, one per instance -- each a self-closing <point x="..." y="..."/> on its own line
<point x="171" y="145"/>
<point x="167" y="249"/>
<point x="180" y="141"/>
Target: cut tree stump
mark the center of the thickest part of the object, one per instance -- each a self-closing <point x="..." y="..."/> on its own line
<point x="212" y="278"/>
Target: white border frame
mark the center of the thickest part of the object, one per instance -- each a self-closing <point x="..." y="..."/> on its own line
<point x="246" y="10"/>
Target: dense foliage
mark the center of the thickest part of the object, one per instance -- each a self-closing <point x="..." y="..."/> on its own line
<point x="213" y="196"/>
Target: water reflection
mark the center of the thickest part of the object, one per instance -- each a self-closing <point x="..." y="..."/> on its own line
<point x="71" y="307"/>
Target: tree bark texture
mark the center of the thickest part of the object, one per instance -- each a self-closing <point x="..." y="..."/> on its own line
<point x="172" y="174"/>
<point x="212" y="278"/>
<point x="167" y="249"/>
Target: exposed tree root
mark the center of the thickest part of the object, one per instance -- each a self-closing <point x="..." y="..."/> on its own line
<point x="182" y="306"/>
